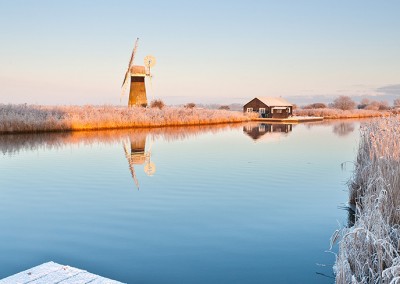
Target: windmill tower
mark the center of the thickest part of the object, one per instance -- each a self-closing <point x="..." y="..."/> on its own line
<point x="135" y="75"/>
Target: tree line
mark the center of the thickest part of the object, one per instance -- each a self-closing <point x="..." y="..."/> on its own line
<point x="347" y="103"/>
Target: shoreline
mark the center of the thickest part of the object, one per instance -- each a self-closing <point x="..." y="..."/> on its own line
<point x="123" y="128"/>
<point x="42" y="119"/>
<point x="369" y="248"/>
<point x="291" y="120"/>
<point x="35" y="119"/>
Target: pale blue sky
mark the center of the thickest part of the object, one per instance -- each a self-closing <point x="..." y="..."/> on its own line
<point x="76" y="52"/>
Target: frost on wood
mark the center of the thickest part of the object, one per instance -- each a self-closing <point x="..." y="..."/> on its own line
<point x="369" y="251"/>
<point x="51" y="272"/>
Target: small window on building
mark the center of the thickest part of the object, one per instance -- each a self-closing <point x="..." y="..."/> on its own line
<point x="261" y="110"/>
<point x="249" y="109"/>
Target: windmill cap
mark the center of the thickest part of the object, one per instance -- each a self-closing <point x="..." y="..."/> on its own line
<point x="138" y="70"/>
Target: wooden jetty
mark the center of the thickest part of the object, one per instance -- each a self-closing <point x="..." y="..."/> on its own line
<point x="51" y="273"/>
<point x="292" y="119"/>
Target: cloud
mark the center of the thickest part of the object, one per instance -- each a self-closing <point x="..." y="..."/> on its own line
<point x="390" y="89"/>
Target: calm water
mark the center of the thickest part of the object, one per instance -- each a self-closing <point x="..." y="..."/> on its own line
<point x="225" y="204"/>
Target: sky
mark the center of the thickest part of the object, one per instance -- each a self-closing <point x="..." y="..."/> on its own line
<point x="77" y="52"/>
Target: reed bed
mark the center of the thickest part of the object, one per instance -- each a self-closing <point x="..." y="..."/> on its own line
<point x="331" y="113"/>
<point x="369" y="250"/>
<point x="36" y="118"/>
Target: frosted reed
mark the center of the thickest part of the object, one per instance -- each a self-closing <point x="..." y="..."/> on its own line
<point x="369" y="251"/>
<point x="36" y="118"/>
<point x="338" y="113"/>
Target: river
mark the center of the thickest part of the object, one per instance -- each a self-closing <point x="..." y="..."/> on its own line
<point x="242" y="203"/>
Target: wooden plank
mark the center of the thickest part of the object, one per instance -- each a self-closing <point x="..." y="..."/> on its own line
<point x="51" y="273"/>
<point x="32" y="274"/>
<point x="294" y="119"/>
<point x="57" y="276"/>
<point x="102" y="280"/>
<point x="81" y="278"/>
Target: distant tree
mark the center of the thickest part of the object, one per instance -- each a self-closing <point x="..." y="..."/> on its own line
<point x="344" y="103"/>
<point x="224" y="107"/>
<point x="190" y="105"/>
<point x="375" y="105"/>
<point x="294" y="106"/>
<point x="364" y="103"/>
<point x="157" y="104"/>
<point x="396" y="102"/>
<point x="315" y="105"/>
<point x="383" y="105"/>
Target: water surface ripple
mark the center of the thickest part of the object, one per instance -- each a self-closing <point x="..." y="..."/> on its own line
<point x="224" y="204"/>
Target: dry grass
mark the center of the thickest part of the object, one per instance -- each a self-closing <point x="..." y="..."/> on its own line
<point x="331" y="113"/>
<point x="369" y="251"/>
<point x="34" y="118"/>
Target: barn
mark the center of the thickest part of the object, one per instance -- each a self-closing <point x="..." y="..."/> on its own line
<point x="269" y="107"/>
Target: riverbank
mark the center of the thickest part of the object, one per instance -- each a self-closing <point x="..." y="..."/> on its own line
<point x="36" y="118"/>
<point x="330" y="113"/>
<point x="369" y="250"/>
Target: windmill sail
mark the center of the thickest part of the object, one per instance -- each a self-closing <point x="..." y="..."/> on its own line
<point x="128" y="73"/>
<point x="131" y="163"/>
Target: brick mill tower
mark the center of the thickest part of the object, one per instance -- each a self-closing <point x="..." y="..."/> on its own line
<point x="137" y="92"/>
<point x="136" y="75"/>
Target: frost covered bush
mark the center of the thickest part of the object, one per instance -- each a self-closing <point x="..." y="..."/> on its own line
<point x="190" y="105"/>
<point x="369" y="251"/>
<point x="34" y="118"/>
<point x="157" y="104"/>
<point x="344" y="103"/>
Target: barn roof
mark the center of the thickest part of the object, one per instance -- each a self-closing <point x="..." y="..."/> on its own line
<point x="271" y="101"/>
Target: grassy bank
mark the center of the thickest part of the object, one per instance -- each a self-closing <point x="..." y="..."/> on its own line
<point x="369" y="251"/>
<point x="331" y="113"/>
<point x="34" y="118"/>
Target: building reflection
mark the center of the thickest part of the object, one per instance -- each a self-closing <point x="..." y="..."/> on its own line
<point x="263" y="130"/>
<point x="137" y="155"/>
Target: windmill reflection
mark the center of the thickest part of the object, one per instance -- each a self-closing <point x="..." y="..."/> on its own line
<point x="136" y="154"/>
<point x="256" y="131"/>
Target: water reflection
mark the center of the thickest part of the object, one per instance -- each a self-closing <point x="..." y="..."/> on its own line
<point x="267" y="131"/>
<point x="339" y="127"/>
<point x="137" y="143"/>
<point x="83" y="195"/>
<point x="136" y="154"/>
<point x="12" y="144"/>
<point x="343" y="128"/>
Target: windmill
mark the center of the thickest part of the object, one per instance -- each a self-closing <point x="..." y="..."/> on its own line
<point x="135" y="75"/>
<point x="136" y="154"/>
